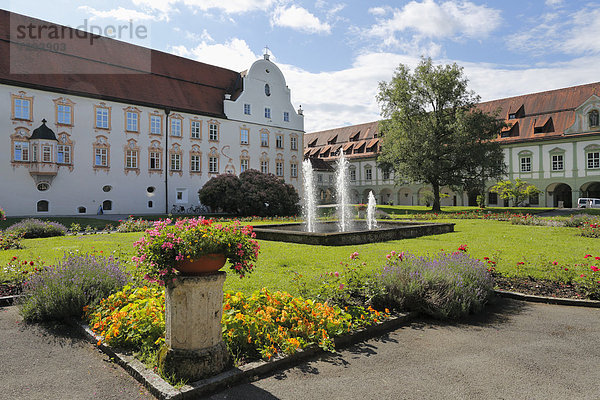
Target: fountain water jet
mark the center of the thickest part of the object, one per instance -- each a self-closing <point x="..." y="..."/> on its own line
<point x="309" y="208"/>
<point x="343" y="193"/>
<point x="371" y="208"/>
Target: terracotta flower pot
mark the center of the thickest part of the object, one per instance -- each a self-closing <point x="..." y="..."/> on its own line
<point x="205" y="264"/>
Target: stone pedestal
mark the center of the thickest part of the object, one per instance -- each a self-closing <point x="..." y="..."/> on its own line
<point x="194" y="343"/>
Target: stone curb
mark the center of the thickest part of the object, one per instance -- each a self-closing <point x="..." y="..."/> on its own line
<point x="549" y="300"/>
<point x="6" y="301"/>
<point x="245" y="373"/>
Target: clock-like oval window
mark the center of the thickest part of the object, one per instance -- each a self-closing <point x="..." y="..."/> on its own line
<point x="267" y="89"/>
<point x="43" y="186"/>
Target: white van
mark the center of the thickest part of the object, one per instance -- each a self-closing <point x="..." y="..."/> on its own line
<point x="586" y="202"/>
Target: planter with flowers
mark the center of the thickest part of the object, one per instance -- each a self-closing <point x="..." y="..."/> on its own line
<point x="166" y="250"/>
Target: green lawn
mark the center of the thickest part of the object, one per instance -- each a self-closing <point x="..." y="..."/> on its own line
<point x="508" y="243"/>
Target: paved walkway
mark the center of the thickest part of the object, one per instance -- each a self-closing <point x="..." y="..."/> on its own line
<point x="55" y="362"/>
<point x="520" y="351"/>
<point x="517" y="350"/>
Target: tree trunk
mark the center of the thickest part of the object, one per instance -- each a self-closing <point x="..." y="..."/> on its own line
<point x="436" y="198"/>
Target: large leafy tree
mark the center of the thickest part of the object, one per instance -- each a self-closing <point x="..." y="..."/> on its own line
<point x="432" y="132"/>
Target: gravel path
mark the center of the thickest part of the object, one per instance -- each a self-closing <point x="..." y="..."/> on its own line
<point x="55" y="362"/>
<point x="519" y="351"/>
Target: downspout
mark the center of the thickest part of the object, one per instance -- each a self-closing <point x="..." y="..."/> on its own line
<point x="167" y="112"/>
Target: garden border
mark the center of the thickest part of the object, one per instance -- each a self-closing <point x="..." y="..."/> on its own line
<point x="245" y="373"/>
<point x="548" y="300"/>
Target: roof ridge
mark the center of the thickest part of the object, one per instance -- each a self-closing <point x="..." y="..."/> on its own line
<point x="540" y="93"/>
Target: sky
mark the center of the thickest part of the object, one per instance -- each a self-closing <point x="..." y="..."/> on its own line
<point x="334" y="53"/>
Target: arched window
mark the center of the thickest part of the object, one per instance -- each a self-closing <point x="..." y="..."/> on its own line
<point x="43" y="206"/>
<point x="107" y="205"/>
<point x="81" y="210"/>
<point x="593" y="117"/>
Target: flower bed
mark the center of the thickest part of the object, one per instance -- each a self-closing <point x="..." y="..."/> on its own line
<point x="256" y="326"/>
<point x="10" y="240"/>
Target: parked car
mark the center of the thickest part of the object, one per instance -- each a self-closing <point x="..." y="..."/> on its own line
<point x="587" y="202"/>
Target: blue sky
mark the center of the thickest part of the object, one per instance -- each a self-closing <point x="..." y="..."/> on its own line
<point x="334" y="53"/>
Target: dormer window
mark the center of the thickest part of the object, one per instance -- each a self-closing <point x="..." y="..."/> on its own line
<point x="519" y="113"/>
<point x="593" y="118"/>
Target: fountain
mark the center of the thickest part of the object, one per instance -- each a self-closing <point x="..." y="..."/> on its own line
<point x="309" y="208"/>
<point x="342" y="193"/>
<point x="371" y="208"/>
<point x="345" y="231"/>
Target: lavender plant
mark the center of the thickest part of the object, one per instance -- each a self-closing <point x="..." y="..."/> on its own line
<point x="34" y="228"/>
<point x="445" y="286"/>
<point x="62" y="290"/>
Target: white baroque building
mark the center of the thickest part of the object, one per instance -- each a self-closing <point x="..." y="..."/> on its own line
<point x="102" y="130"/>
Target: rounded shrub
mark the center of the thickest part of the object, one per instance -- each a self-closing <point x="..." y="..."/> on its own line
<point x="34" y="228"/>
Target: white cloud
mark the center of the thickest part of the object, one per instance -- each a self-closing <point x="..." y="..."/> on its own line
<point x="204" y="36"/>
<point x="227" y="6"/>
<point x="554" y="3"/>
<point x="432" y="20"/>
<point x="346" y="97"/>
<point x="235" y="54"/>
<point x="575" y="33"/>
<point x="299" y="19"/>
<point x="119" y="14"/>
<point x="378" y="11"/>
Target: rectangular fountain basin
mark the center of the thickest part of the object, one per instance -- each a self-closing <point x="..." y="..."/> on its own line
<point x="329" y="236"/>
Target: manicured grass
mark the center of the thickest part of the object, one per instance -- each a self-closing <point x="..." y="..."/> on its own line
<point x="508" y="243"/>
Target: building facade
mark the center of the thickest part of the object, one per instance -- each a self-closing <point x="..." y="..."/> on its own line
<point x="552" y="141"/>
<point x="92" y="132"/>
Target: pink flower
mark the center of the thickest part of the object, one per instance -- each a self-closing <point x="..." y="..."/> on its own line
<point x="554" y="263"/>
<point x="337" y="274"/>
<point x="587" y="256"/>
<point x="354" y="255"/>
<point x="594" y="268"/>
<point x="341" y="286"/>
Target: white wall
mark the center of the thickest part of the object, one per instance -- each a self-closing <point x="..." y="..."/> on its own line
<point x="82" y="185"/>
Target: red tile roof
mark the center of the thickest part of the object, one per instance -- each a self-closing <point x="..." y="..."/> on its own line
<point x="113" y="70"/>
<point x="537" y="108"/>
<point x="552" y="112"/>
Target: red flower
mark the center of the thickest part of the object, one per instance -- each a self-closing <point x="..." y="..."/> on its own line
<point x="554" y="263"/>
<point x="587" y="256"/>
<point x="486" y="258"/>
<point x="520" y="263"/>
<point x="594" y="268"/>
